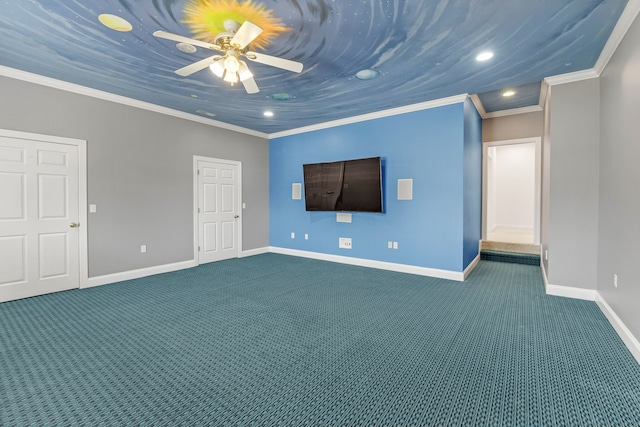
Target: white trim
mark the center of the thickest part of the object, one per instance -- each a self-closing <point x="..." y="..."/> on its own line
<point x="196" y="231"/>
<point x="83" y="245"/>
<point x="139" y="273"/>
<point x="544" y="272"/>
<point x="478" y="103"/>
<point x="99" y="94"/>
<point x="591" y="295"/>
<point x="627" y="17"/>
<point x="513" y="112"/>
<point x="571" y="77"/>
<point x="571" y="292"/>
<point x="538" y="182"/>
<point x="196" y="224"/>
<point x="566" y="291"/>
<point x="544" y="90"/>
<point x="400" y="268"/>
<point x="372" y="116"/>
<point x="623" y="332"/>
<point x="252" y="252"/>
<point x="470" y="267"/>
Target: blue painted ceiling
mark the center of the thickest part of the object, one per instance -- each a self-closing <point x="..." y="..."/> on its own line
<point x="524" y="96"/>
<point x="419" y="51"/>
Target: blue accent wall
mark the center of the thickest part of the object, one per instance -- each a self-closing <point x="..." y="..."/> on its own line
<point x="472" y="182"/>
<point x="430" y="146"/>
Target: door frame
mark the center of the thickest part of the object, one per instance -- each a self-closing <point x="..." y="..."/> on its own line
<point x="83" y="257"/>
<point x="196" y="231"/>
<point x="538" y="181"/>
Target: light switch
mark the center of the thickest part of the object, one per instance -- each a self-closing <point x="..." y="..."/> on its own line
<point x="92" y="208"/>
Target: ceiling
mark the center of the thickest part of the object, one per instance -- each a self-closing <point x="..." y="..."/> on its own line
<point x="416" y="51"/>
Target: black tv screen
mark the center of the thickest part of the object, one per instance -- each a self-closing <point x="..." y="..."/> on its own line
<point x="348" y="185"/>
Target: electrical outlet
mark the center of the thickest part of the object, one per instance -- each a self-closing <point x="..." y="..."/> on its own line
<point x="293" y="235"/>
<point x="390" y="244"/>
<point x="143" y="249"/>
<point x="306" y="236"/>
<point x="344" y="242"/>
<point x="615" y="280"/>
<point x="395" y="245"/>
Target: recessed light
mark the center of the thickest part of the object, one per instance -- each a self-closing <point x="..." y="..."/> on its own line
<point x="508" y="92"/>
<point x="268" y="113"/>
<point x="484" y="56"/>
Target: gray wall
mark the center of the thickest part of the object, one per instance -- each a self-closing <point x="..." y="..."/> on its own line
<point x="574" y="117"/>
<point x="546" y="184"/>
<point x="513" y="127"/>
<point x="619" y="222"/>
<point x="140" y="172"/>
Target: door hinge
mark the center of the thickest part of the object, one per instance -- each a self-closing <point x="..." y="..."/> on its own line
<point x="198" y="248"/>
<point x="198" y="210"/>
<point x="198" y="171"/>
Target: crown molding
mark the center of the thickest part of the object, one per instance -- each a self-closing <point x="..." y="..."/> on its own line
<point x="478" y="104"/>
<point x="627" y="17"/>
<point x="106" y="96"/>
<point x="621" y="28"/>
<point x="571" y="77"/>
<point x="514" y="111"/>
<point x="544" y="91"/>
<point x="502" y="113"/>
<point x="372" y="116"/>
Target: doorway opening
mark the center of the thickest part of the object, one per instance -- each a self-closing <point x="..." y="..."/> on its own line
<point x="511" y="192"/>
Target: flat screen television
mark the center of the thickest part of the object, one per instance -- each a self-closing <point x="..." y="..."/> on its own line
<point x="348" y="185"/>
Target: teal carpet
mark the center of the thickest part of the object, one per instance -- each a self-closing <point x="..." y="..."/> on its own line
<point x="275" y="340"/>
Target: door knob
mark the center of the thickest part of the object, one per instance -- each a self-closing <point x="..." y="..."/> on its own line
<point x="74" y="225"/>
<point x="237" y="216"/>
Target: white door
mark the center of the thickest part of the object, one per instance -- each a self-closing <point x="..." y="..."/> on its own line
<point x="218" y="210"/>
<point x="39" y="219"/>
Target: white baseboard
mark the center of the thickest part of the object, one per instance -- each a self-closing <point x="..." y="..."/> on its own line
<point x="401" y="268"/>
<point x="623" y="332"/>
<point x="571" y="292"/>
<point x="566" y="291"/>
<point x="252" y="252"/>
<point x="136" y="274"/>
<point x="470" y="267"/>
<point x="591" y="295"/>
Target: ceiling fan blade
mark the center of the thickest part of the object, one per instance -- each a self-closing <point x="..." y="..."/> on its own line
<point x="246" y="34"/>
<point x="196" y="66"/>
<point x="182" y="39"/>
<point x="250" y="85"/>
<point x="274" y="61"/>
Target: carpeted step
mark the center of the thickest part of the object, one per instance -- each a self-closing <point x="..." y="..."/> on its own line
<point x="511" y="257"/>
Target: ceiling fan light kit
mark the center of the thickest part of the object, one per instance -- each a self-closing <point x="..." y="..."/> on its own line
<point x="233" y="43"/>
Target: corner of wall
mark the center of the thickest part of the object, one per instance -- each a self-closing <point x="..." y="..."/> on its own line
<point x="625" y="334"/>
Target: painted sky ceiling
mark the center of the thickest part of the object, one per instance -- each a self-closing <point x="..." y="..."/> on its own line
<point x="359" y="56"/>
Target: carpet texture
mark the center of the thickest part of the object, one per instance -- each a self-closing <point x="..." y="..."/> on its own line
<point x="511" y="257"/>
<point x="277" y="340"/>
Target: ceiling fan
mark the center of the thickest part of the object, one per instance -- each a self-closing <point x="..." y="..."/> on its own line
<point x="234" y="43"/>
